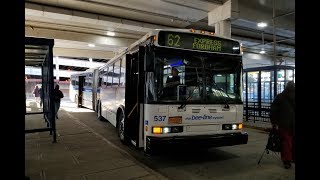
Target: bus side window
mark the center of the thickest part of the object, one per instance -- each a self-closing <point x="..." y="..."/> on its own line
<point x="77" y="81"/>
<point x="73" y="82"/>
<point x="86" y="81"/>
<point x="123" y="73"/>
<point x="110" y="75"/>
<point x="90" y="80"/>
<point x="116" y="74"/>
<point x="104" y="77"/>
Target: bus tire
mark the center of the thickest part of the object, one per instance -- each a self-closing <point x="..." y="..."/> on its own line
<point x="120" y="126"/>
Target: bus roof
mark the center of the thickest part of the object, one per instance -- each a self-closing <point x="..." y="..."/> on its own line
<point x="90" y="70"/>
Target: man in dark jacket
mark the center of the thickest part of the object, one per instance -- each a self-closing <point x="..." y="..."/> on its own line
<point x="57" y="94"/>
<point x="283" y="118"/>
<point x="172" y="82"/>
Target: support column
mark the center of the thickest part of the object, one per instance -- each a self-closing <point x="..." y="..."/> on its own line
<point x="274" y="33"/>
<point x="220" y="17"/>
<point x="57" y="69"/>
<point x="223" y="28"/>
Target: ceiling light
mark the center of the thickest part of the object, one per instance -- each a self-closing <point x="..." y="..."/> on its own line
<point x="262" y="52"/>
<point x="91" y="45"/>
<point x="110" y="33"/>
<point x="262" y="24"/>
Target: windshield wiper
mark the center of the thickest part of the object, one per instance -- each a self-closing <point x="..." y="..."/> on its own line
<point x="190" y="96"/>
<point x="186" y="101"/>
<point x="224" y="98"/>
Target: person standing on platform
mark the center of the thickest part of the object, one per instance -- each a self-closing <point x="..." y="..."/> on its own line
<point x="58" y="95"/>
<point x="282" y="117"/>
<point x="36" y="93"/>
<point x="41" y="96"/>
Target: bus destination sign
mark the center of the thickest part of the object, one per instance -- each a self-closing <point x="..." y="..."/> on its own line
<point x="198" y="42"/>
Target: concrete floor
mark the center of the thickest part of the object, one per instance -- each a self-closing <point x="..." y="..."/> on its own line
<point x="79" y="154"/>
<point x="90" y="149"/>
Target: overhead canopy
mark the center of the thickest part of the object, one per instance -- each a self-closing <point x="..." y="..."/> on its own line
<point x="36" y="50"/>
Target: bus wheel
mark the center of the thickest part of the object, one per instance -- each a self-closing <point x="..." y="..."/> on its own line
<point x="121" y="127"/>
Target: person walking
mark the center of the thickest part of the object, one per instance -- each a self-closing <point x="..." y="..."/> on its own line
<point x="41" y="96"/>
<point x="36" y="93"/>
<point x="58" y="95"/>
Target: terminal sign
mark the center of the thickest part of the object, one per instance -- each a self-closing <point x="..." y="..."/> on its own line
<point x="198" y="42"/>
<point x="206" y="44"/>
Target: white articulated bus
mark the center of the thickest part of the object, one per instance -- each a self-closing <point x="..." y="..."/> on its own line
<point x="174" y="86"/>
<point x="83" y="88"/>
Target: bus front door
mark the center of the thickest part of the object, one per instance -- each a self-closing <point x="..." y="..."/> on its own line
<point x="80" y="91"/>
<point x="134" y="96"/>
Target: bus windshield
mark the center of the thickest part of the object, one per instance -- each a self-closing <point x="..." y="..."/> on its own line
<point x="194" y="77"/>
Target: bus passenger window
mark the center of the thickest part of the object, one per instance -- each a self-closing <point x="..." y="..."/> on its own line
<point x="123" y="73"/>
<point x="73" y="82"/>
<point x="110" y="74"/>
<point x="116" y="74"/>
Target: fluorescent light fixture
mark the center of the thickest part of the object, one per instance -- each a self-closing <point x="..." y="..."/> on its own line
<point x="91" y="45"/>
<point x="262" y="52"/>
<point x="262" y="24"/>
<point x="110" y="33"/>
<point x="219" y="75"/>
<point x="235" y="48"/>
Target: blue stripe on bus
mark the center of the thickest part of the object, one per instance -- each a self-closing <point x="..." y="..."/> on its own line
<point x="86" y="89"/>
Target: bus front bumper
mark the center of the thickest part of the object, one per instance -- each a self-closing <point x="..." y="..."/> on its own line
<point x="154" y="144"/>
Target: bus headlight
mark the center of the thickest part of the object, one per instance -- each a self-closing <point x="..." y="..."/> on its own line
<point x="166" y="130"/>
<point x="232" y="126"/>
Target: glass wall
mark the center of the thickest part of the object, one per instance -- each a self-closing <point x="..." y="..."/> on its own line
<point x="265" y="86"/>
<point x="253" y="86"/>
<point x="261" y="91"/>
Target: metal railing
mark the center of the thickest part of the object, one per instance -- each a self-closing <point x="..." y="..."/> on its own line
<point x="254" y="112"/>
